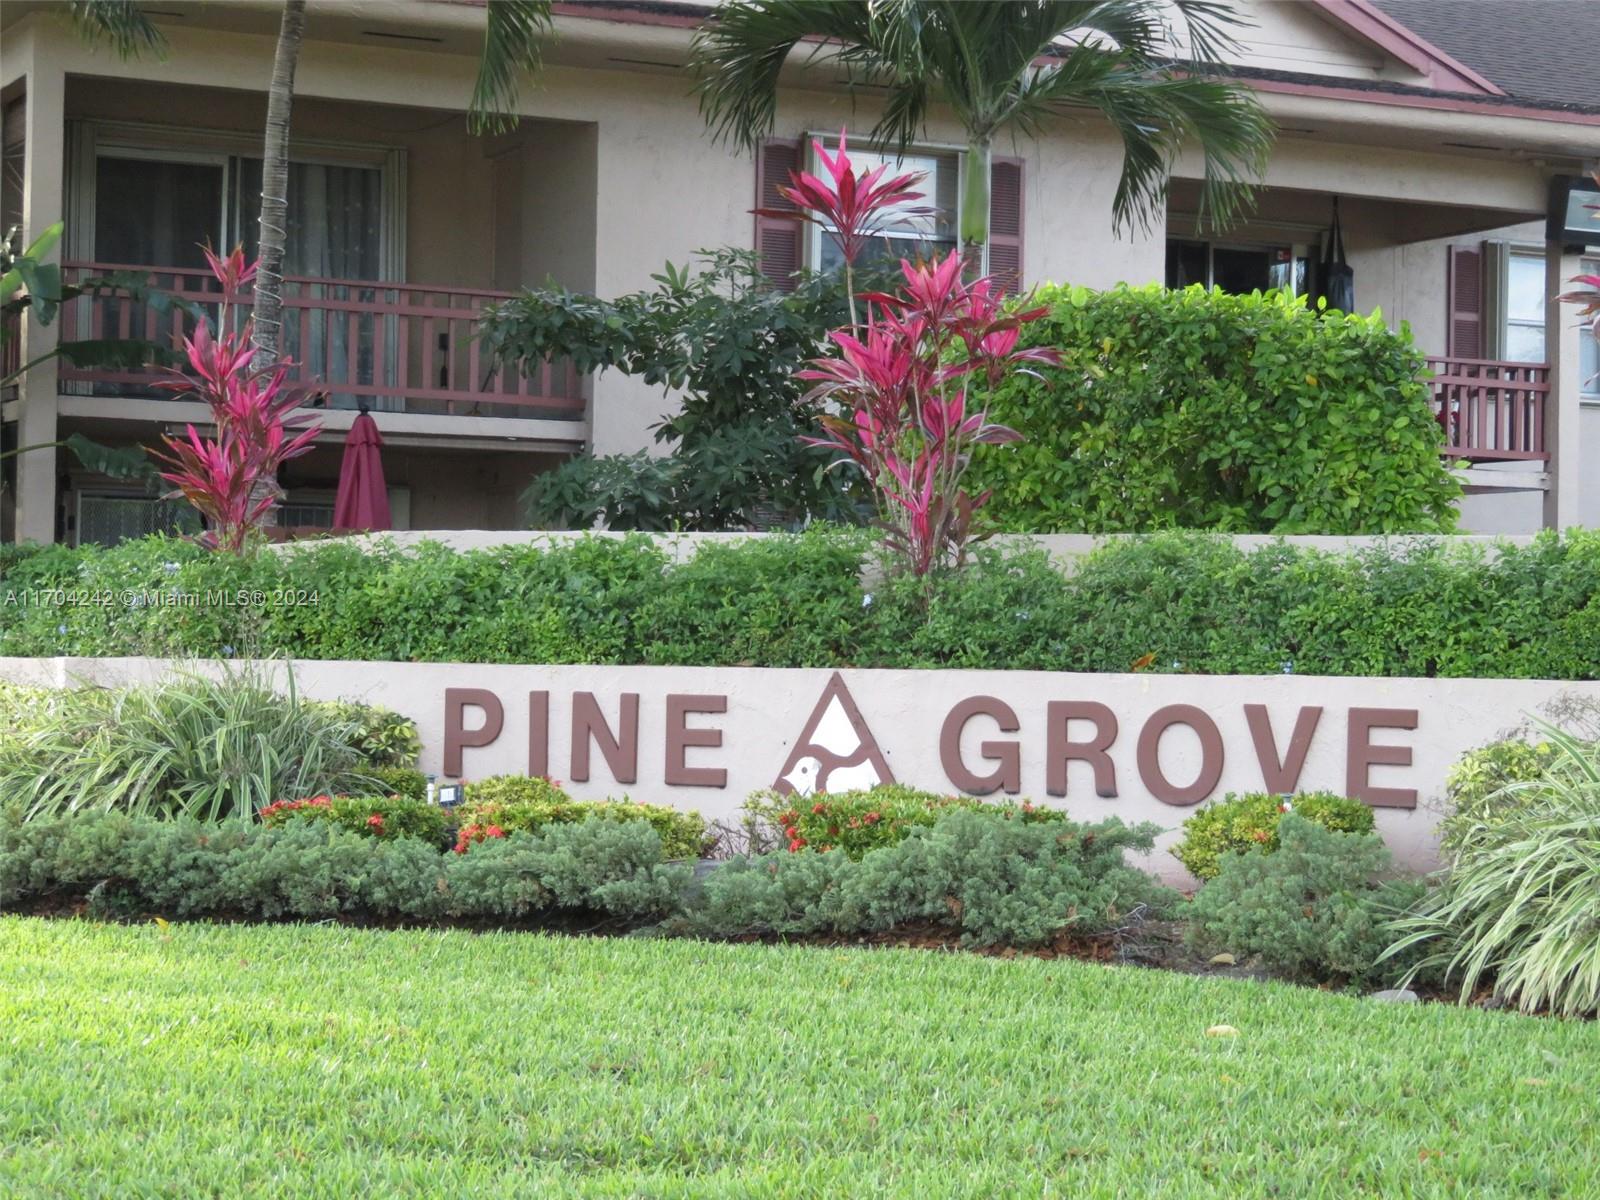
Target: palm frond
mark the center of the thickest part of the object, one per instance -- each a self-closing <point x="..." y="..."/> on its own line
<point x="738" y="55"/>
<point x="120" y="23"/>
<point x="513" y="43"/>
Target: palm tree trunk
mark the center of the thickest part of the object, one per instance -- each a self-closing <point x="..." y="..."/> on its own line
<point x="975" y="206"/>
<point x="268" y="311"/>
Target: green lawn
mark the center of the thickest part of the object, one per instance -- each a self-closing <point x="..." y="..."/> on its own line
<point x="320" y="1061"/>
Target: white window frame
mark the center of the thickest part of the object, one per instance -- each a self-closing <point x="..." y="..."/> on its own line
<point x="815" y="233"/>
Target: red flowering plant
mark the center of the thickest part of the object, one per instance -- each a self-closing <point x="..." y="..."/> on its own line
<point x="859" y="821"/>
<point x="385" y="817"/>
<point x="231" y="478"/>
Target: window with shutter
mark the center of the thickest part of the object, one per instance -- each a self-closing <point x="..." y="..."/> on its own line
<point x="778" y="241"/>
<point x="1005" y="223"/>
<point x="1464" y="289"/>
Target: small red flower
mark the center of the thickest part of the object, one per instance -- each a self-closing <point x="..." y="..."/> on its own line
<point x="494" y="831"/>
<point x="1261" y="835"/>
<point x="376" y="821"/>
<point x="819" y="809"/>
<point x="873" y="818"/>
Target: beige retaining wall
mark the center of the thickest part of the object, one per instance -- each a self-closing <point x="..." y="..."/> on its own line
<point x="707" y="737"/>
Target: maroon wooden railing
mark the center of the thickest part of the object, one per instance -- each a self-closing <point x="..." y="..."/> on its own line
<point x="1491" y="411"/>
<point x="398" y="347"/>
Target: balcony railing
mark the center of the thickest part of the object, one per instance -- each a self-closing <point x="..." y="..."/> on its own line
<point x="396" y="347"/>
<point x="1491" y="411"/>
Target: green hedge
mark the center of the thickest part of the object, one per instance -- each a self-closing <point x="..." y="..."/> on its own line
<point x="1178" y="602"/>
<point x="995" y="882"/>
<point x="1200" y="410"/>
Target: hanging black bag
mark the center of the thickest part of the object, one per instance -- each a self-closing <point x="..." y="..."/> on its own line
<point x="1338" y="279"/>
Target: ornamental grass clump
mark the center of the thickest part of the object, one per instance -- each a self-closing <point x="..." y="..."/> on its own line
<point x="189" y="744"/>
<point x="1519" y="905"/>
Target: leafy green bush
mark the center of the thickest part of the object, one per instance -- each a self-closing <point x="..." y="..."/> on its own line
<point x="1314" y="910"/>
<point x="370" y="816"/>
<point x="316" y="869"/>
<point x="1197" y="409"/>
<point x="1520" y="902"/>
<point x="996" y="881"/>
<point x="729" y="347"/>
<point x="529" y="790"/>
<point x="856" y="822"/>
<point x="1177" y="602"/>
<point x="505" y="804"/>
<point x="1241" y="824"/>
<point x="408" y="783"/>
<point x="383" y="738"/>
<point x="1477" y="787"/>
<point x="189" y="744"/>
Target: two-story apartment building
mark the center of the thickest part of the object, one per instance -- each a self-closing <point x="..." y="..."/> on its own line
<point x="403" y="225"/>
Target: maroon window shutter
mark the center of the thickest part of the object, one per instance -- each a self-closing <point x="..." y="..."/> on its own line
<point x="1464" y="295"/>
<point x="777" y="240"/>
<point x="1005" y="223"/>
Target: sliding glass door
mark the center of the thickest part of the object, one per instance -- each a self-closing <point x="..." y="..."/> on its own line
<point x="158" y="206"/>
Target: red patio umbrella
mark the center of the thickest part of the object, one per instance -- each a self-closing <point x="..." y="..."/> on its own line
<point x="363" y="501"/>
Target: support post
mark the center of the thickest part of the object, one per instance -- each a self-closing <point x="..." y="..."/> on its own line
<point x="1562" y="411"/>
<point x="43" y="172"/>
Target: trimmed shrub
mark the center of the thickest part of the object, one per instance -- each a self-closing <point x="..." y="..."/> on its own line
<point x="506" y="804"/>
<point x="857" y="822"/>
<point x="318" y="869"/>
<point x="1197" y="409"/>
<point x="1520" y="903"/>
<point x="1242" y="824"/>
<point x="370" y="816"/>
<point x="1313" y="910"/>
<point x="1478" y="785"/>
<point x="408" y="783"/>
<point x="995" y="881"/>
<point x="1172" y="602"/>
<point x="384" y="739"/>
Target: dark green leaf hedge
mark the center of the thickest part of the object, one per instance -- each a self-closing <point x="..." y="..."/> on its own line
<point x="1200" y="410"/>
<point x="1180" y="602"/>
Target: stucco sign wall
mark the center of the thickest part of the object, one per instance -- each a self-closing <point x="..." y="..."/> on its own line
<point x="1139" y="747"/>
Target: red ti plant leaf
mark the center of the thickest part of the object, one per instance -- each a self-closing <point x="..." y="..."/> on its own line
<point x="851" y="206"/>
<point x="232" y="478"/>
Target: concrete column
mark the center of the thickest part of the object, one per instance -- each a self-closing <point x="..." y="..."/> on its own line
<point x="1562" y="411"/>
<point x="43" y="204"/>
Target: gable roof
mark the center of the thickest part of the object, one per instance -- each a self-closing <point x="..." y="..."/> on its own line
<point x="1538" y="50"/>
<point x="1440" y="70"/>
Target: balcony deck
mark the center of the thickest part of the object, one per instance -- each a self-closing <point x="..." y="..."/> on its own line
<point x="393" y="347"/>
<point x="1491" y="410"/>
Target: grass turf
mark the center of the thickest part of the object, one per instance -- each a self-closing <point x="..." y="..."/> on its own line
<point x="328" y="1062"/>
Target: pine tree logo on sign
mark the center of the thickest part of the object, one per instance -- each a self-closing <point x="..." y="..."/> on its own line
<point x="835" y="752"/>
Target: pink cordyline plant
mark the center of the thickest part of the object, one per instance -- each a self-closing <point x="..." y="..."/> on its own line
<point x="901" y="410"/>
<point x="232" y="478"/>
<point x="895" y="399"/>
<point x="852" y="207"/>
